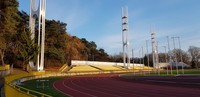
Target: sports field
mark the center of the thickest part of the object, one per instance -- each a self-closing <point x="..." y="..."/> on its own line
<point x="113" y="85"/>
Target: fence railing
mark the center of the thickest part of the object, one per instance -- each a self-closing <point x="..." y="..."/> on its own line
<point x="13" y="90"/>
<point x="79" y="62"/>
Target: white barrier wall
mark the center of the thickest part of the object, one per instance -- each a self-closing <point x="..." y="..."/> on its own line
<point x="78" y="62"/>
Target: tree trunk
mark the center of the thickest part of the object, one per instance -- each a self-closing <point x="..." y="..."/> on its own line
<point x="197" y="65"/>
<point x="2" y="56"/>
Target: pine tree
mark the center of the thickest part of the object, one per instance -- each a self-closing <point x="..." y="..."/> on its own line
<point x="8" y="17"/>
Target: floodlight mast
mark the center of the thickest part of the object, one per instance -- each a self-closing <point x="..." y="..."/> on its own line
<point x="175" y="59"/>
<point x="180" y="54"/>
<point x="166" y="58"/>
<point x="38" y="14"/>
<point x="133" y="60"/>
<point x="125" y="42"/>
<point x="169" y="54"/>
<point x="147" y="56"/>
<point x="154" y="51"/>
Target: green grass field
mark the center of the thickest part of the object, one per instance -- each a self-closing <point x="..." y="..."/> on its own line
<point x="164" y="73"/>
<point x="43" y="85"/>
<point x="46" y="87"/>
<point x="193" y="71"/>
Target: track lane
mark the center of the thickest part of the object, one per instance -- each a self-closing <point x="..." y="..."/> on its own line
<point x="112" y="86"/>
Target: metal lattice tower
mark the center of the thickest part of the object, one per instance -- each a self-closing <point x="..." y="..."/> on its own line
<point x="125" y="42"/>
<point x="37" y="28"/>
<point x="154" y="50"/>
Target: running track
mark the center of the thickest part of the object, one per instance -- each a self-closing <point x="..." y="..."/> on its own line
<point x="110" y="85"/>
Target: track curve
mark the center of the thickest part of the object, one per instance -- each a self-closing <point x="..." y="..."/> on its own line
<point x="110" y="85"/>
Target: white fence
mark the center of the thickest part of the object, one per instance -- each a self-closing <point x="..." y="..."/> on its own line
<point x="78" y="62"/>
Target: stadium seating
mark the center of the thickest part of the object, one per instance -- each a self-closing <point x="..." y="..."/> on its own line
<point x="97" y="68"/>
<point x="146" y="68"/>
<point x="108" y="68"/>
<point x="83" y="68"/>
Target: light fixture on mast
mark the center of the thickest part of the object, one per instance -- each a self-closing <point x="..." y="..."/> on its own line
<point x="125" y="42"/>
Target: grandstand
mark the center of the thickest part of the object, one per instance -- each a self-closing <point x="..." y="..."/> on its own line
<point x="108" y="67"/>
<point x="88" y="69"/>
<point x="105" y="67"/>
<point x="148" y="68"/>
<point x="83" y="68"/>
<point x="143" y="68"/>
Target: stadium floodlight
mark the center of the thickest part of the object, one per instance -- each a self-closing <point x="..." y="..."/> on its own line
<point x="158" y="59"/>
<point x="154" y="51"/>
<point x="125" y="42"/>
<point x="166" y="58"/>
<point x="169" y="54"/>
<point x="175" y="59"/>
<point x="37" y="22"/>
<point x="147" y="56"/>
<point x="143" y="60"/>
<point x="140" y="59"/>
<point x="133" y="61"/>
<point x="180" y="54"/>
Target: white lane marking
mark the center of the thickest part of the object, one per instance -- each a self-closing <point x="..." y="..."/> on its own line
<point x="118" y="91"/>
<point x="94" y="90"/>
<point x="154" y="91"/>
<point x="173" y="82"/>
<point x="160" y="81"/>
<point x="77" y="90"/>
<point x="190" y="83"/>
<point x="60" y="90"/>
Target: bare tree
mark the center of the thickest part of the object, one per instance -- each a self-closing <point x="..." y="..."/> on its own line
<point x="162" y="57"/>
<point x="182" y="54"/>
<point x="195" y="55"/>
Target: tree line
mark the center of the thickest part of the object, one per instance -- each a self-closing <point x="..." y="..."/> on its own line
<point x="190" y="57"/>
<point x="18" y="48"/>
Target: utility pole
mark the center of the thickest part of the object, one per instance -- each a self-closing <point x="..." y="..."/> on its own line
<point x="169" y="54"/>
<point x="166" y="59"/>
<point x="175" y="56"/>
<point x="139" y="57"/>
<point x="180" y="55"/>
<point x="158" y="59"/>
<point x="147" y="56"/>
<point x="133" y="61"/>
<point x="143" y="60"/>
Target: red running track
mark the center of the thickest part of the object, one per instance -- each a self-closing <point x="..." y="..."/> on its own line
<point x="111" y="85"/>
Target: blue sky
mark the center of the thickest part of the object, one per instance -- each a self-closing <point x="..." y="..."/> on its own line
<point x="100" y="21"/>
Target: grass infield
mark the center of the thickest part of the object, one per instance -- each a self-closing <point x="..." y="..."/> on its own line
<point x="44" y="85"/>
<point x="164" y="73"/>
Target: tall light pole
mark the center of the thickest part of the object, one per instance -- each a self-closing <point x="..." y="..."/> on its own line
<point x="158" y="59"/>
<point x="166" y="59"/>
<point x="143" y="60"/>
<point x="125" y="42"/>
<point x="169" y="54"/>
<point x="175" y="56"/>
<point x="180" y="54"/>
<point x="147" y="55"/>
<point x="154" y="51"/>
<point x="140" y="59"/>
<point x="133" y="61"/>
<point x="37" y="17"/>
